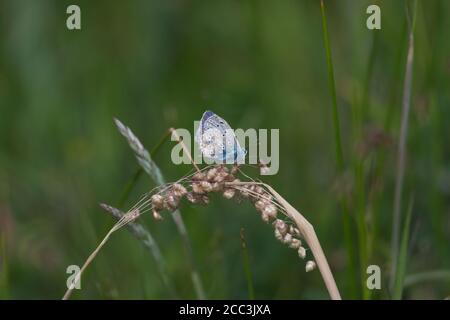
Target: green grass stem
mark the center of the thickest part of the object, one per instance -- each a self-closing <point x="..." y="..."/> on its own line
<point x="246" y="265"/>
<point x="346" y="221"/>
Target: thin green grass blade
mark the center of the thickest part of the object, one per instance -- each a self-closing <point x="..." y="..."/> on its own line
<point x="246" y="265"/>
<point x="403" y="255"/>
<point x="332" y="89"/>
<point x="365" y="101"/>
<point x="362" y="227"/>
<point x="402" y="143"/>
<point x="359" y="197"/>
<point x="4" y="285"/>
<point x="346" y="222"/>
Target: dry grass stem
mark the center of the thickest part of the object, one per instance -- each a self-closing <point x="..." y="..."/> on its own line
<point x="183" y="145"/>
<point x="129" y="217"/>
<point x="307" y="231"/>
<point x="146" y="238"/>
<point x="196" y="187"/>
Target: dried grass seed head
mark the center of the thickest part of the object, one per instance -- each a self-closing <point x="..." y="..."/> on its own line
<point x="281" y="226"/>
<point x="157" y="201"/>
<point x="156" y="215"/>
<point x="259" y="189"/>
<point x="295" y="243"/>
<point x="310" y="266"/>
<point x="211" y="174"/>
<point x="293" y="230"/>
<point x="197" y="198"/>
<point x="216" y="187"/>
<point x="206" y="186"/>
<point x="260" y="205"/>
<point x="278" y="235"/>
<point x="229" y="193"/>
<point x="234" y="169"/>
<point x="204" y="199"/>
<point x="287" y="238"/>
<point x="302" y="252"/>
<point x="265" y="217"/>
<point x="270" y="210"/>
<point x="171" y="202"/>
<point x="197" y="188"/>
<point x="263" y="168"/>
<point x="199" y="176"/>
<point x="179" y="190"/>
<point x="191" y="197"/>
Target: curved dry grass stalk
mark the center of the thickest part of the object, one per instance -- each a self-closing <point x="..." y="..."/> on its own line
<point x="196" y="186"/>
<point x="148" y="241"/>
<point x="308" y="233"/>
<point x="183" y="145"/>
<point x="127" y="218"/>
<point x="310" y="236"/>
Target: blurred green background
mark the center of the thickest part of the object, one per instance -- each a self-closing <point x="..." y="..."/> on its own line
<point x="258" y="64"/>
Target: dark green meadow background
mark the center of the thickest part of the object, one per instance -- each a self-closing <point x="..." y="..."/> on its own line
<point x="258" y="64"/>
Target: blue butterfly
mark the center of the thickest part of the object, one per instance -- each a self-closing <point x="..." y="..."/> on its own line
<point x="217" y="140"/>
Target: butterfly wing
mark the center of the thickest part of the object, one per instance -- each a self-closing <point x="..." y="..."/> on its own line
<point x="217" y="140"/>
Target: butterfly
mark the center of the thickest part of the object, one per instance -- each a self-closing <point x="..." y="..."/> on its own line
<point x="217" y="141"/>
